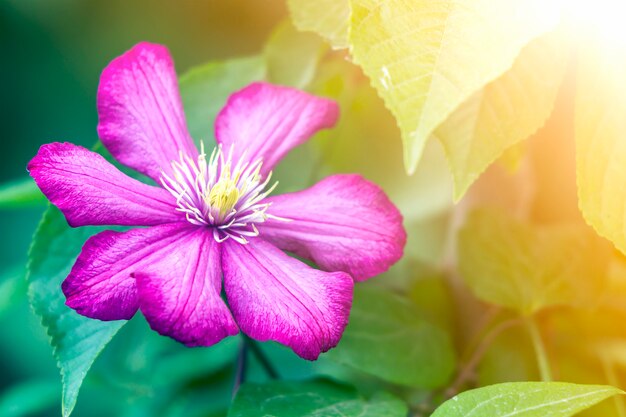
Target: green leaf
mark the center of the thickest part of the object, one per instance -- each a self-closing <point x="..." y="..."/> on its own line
<point x="526" y="267"/>
<point x="388" y="337"/>
<point x="206" y="88"/>
<point x="292" y="57"/>
<point x="505" y="112"/>
<point x="329" y="18"/>
<point x="426" y="58"/>
<point x="600" y="144"/>
<point x="526" y="399"/>
<point x="20" y="193"/>
<point x="311" y="399"/>
<point x="76" y="340"/>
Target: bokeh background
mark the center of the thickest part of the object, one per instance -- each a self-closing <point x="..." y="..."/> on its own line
<point x="52" y="54"/>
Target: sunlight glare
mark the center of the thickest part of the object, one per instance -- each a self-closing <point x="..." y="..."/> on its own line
<point x="606" y="17"/>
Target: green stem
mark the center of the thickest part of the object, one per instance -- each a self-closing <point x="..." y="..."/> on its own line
<point x="484" y="328"/>
<point x="468" y="369"/>
<point x="240" y="374"/>
<point x="540" y="349"/>
<point x="262" y="358"/>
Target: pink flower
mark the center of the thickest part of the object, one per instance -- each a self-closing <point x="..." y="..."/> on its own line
<point x="211" y="217"/>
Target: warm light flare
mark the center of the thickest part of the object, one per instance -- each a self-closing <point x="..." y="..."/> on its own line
<point x="605" y="17"/>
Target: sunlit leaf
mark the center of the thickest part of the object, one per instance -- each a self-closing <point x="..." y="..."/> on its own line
<point x="524" y="267"/>
<point x="600" y="137"/>
<point x="329" y="18"/>
<point x="526" y="399"/>
<point x="311" y="399"/>
<point x="21" y="193"/>
<point x="389" y="337"/>
<point x="426" y="58"/>
<point x="505" y="112"/>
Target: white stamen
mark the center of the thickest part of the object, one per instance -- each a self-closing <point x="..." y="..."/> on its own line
<point x="214" y="194"/>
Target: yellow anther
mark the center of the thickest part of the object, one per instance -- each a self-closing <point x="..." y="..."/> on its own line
<point x="224" y="194"/>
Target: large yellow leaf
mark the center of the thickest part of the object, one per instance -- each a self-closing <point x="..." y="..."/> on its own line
<point x="528" y="267"/>
<point x="427" y="57"/>
<point x="505" y="112"/>
<point x="601" y="138"/>
<point x="329" y="18"/>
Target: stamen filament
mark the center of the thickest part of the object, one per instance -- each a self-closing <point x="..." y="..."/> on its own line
<point x="226" y="196"/>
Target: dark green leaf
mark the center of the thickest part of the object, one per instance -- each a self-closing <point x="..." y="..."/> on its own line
<point x="390" y="338"/>
<point x="76" y="340"/>
<point x="311" y="399"/>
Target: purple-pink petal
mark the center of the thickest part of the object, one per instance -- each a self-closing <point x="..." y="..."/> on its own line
<point x="343" y="223"/>
<point x="141" y="118"/>
<point x="179" y="294"/>
<point x="267" y="121"/>
<point x="101" y="284"/>
<point x="91" y="191"/>
<point x="276" y="297"/>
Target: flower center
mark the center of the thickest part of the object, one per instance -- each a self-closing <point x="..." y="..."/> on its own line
<point x="217" y="194"/>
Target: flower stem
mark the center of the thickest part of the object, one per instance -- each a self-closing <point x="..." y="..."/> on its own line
<point x="240" y="375"/>
<point x="262" y="358"/>
<point x="468" y="369"/>
<point x="540" y="349"/>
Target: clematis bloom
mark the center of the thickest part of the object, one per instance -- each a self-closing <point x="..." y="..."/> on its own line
<point x="210" y="218"/>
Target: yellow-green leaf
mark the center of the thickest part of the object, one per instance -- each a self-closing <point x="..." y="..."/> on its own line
<point x="526" y="399"/>
<point x="505" y="112"/>
<point x="329" y="18"/>
<point x="427" y="57"/>
<point x="291" y="57"/>
<point x="601" y="138"/>
<point x="528" y="267"/>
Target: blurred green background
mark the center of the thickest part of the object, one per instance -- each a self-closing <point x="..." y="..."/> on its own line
<point x="52" y="54"/>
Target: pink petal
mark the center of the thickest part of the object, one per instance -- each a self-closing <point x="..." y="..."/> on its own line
<point x="142" y="122"/>
<point x="276" y="297"/>
<point x="180" y="294"/>
<point x="343" y="223"/>
<point x="91" y="191"/>
<point x="267" y="121"/>
<point x="101" y="283"/>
